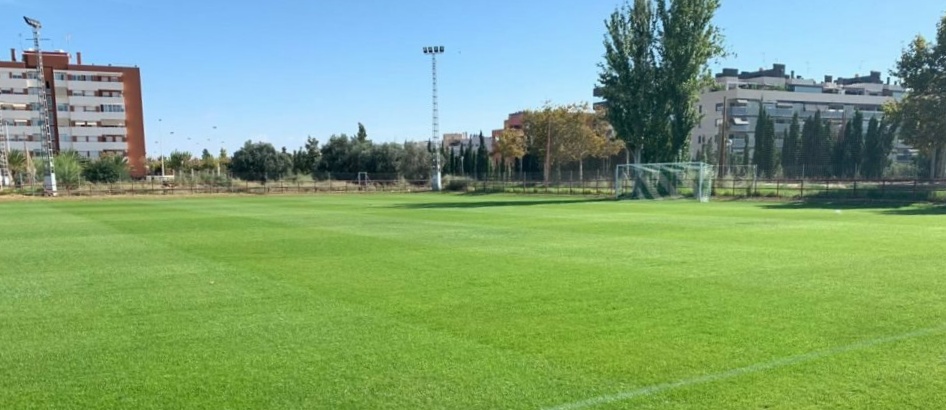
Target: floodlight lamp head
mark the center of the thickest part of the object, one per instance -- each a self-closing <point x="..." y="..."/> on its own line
<point x="33" y="22"/>
<point x="426" y="50"/>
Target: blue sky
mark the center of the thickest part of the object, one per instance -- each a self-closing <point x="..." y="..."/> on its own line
<point x="282" y="70"/>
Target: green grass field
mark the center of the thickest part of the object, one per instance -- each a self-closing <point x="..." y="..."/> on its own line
<point x="490" y="302"/>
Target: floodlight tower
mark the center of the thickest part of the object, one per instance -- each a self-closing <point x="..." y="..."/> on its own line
<point x="49" y="183"/>
<point x="6" y="176"/>
<point x="435" y="182"/>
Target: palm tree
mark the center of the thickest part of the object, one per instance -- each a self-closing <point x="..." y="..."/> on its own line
<point x="17" y="163"/>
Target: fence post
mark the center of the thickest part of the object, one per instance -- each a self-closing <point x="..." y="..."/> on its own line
<point x="778" y="185"/>
<point x="914" y="188"/>
<point x="883" y="188"/>
<point x="855" y="188"/>
<point x="802" y="194"/>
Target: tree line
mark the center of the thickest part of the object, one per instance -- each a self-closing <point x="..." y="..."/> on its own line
<point x="815" y="149"/>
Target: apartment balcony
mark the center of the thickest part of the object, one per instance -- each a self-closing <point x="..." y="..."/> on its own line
<point x="94" y="116"/>
<point x="10" y="115"/>
<point x="20" y="129"/>
<point x="18" y="83"/>
<point x="94" y="85"/>
<point x="18" y="98"/>
<point x="94" y="101"/>
<point x="739" y="111"/>
<point x="781" y="112"/>
<point x="98" y="146"/>
<point x="96" y="131"/>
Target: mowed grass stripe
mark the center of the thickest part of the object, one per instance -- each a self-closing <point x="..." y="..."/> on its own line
<point x="533" y="284"/>
<point x="380" y="345"/>
<point x="367" y="224"/>
<point x="384" y="285"/>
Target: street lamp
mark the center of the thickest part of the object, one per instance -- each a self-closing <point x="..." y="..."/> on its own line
<point x="435" y="183"/>
<point x="161" y="149"/>
<point x="45" y="131"/>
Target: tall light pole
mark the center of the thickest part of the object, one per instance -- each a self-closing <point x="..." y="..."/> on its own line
<point x="6" y="174"/>
<point x="161" y="148"/>
<point x="435" y="181"/>
<point x="213" y="135"/>
<point x="49" y="182"/>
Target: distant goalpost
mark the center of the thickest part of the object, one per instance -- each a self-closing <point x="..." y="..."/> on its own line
<point x="672" y="180"/>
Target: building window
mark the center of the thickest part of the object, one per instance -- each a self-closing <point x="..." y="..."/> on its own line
<point x="62" y="107"/>
<point x="113" y="108"/>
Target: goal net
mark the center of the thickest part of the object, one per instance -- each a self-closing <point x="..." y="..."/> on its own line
<point x="665" y="181"/>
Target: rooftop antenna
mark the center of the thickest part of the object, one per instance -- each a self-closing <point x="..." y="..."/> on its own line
<point x="49" y="182"/>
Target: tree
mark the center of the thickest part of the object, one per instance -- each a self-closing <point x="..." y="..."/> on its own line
<point x="855" y="145"/>
<point x="17" y="162"/>
<point x="583" y="136"/>
<point x="179" y="161"/>
<point x="306" y="160"/>
<point x="207" y="161"/>
<point x="68" y="165"/>
<point x="791" y="147"/>
<point x="816" y="147"/>
<point x="511" y="145"/>
<point x="362" y="135"/>
<point x="335" y="154"/>
<point x="482" y="158"/>
<point x="260" y="162"/>
<point x="654" y="68"/>
<point x="688" y="41"/>
<point x="877" y="146"/>
<point x="629" y="77"/>
<point x="922" y="70"/>
<point x="764" y="158"/>
<point x="849" y="148"/>
<point x="467" y="160"/>
<point x="223" y="161"/>
<point x="108" y="169"/>
<point x="415" y="163"/>
<point x="385" y="158"/>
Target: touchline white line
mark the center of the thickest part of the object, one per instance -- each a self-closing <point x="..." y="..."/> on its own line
<point x="755" y="368"/>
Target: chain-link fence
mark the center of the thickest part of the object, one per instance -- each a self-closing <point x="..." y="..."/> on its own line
<point x="732" y="182"/>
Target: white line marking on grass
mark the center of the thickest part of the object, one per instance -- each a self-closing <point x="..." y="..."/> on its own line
<point x="756" y="368"/>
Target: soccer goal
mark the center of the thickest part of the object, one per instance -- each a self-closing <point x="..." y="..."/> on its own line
<point x="664" y="181"/>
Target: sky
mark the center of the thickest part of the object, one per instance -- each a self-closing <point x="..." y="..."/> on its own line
<point x="282" y="70"/>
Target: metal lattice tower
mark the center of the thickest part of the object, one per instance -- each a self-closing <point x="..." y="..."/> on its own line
<point x="436" y="184"/>
<point x="6" y="176"/>
<point x="43" y="108"/>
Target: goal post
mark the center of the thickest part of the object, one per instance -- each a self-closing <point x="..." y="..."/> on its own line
<point x="672" y="180"/>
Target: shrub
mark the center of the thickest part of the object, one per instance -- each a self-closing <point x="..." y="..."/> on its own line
<point x="457" y="184"/>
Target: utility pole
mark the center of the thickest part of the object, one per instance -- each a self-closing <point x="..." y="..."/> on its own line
<point x="435" y="181"/>
<point x="49" y="182"/>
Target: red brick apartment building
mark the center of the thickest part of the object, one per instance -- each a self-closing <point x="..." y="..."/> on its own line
<point x="98" y="109"/>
